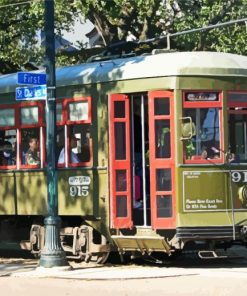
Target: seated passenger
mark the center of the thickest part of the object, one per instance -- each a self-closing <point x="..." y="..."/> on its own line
<point x="204" y="154"/>
<point x="32" y="155"/>
<point x="233" y="158"/>
<point x="73" y="156"/>
<point x="9" y="154"/>
<point x="210" y="153"/>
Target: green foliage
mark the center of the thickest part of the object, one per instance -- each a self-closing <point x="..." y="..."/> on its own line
<point x="19" y="29"/>
<point x="114" y="19"/>
<point x="198" y="13"/>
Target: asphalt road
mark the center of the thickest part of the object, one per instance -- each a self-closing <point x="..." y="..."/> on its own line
<point x="185" y="276"/>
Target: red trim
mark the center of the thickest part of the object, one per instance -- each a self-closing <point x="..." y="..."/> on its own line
<point x="207" y="104"/>
<point x="41" y="121"/>
<point x="65" y="121"/>
<point x="202" y="104"/>
<point x="76" y="100"/>
<point x="120" y="222"/>
<point x="237" y="104"/>
<point x="161" y="163"/>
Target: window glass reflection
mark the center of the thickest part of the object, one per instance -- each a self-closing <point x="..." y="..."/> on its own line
<point x="120" y="140"/>
<point x="162" y="139"/>
<point x="7" y="117"/>
<point x="29" y="115"/>
<point x="164" y="206"/>
<point x="205" y="144"/>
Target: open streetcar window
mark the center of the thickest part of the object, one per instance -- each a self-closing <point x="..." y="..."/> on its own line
<point x="74" y="139"/>
<point x="237" y="122"/>
<point x="203" y="143"/>
<point x="21" y="129"/>
<point x="7" y="137"/>
<point x="31" y="139"/>
<point x="7" y="148"/>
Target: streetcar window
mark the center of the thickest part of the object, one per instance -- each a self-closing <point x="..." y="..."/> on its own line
<point x="205" y="144"/>
<point x="29" y="115"/>
<point x="238" y="97"/>
<point x="121" y="206"/>
<point x="21" y="127"/>
<point x="8" y="148"/>
<point x="120" y="140"/>
<point x="78" y="111"/>
<point x="161" y="106"/>
<point x="163" y="180"/>
<point x="163" y="141"/>
<point x="237" y="122"/>
<point x="121" y="180"/>
<point x="164" y="206"/>
<point x="119" y="109"/>
<point x="7" y="137"/>
<point x="238" y="136"/>
<point x="7" y="117"/>
<point x="74" y="136"/>
<point x="31" y="150"/>
<point x="30" y="147"/>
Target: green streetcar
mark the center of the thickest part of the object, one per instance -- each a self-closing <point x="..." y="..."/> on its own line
<point x="151" y="157"/>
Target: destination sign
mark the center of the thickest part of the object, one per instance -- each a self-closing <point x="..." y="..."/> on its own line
<point x="201" y="96"/>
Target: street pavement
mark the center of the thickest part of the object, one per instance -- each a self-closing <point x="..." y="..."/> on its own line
<point x="186" y="276"/>
<point x="183" y="267"/>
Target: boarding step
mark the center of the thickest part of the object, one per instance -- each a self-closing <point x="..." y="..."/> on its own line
<point x="143" y="244"/>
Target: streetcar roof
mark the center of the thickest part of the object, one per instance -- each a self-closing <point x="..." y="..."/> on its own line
<point x="155" y="65"/>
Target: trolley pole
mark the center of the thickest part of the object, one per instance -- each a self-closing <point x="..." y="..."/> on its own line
<point x="52" y="255"/>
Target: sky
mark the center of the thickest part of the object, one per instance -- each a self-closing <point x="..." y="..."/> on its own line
<point x="79" y="32"/>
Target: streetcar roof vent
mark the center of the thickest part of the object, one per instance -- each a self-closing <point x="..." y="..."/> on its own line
<point x="162" y="50"/>
<point x="100" y="57"/>
<point x="122" y="49"/>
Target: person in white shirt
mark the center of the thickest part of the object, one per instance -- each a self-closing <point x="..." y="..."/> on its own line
<point x="73" y="156"/>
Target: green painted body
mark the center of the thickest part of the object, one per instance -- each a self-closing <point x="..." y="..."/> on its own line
<point x="203" y="192"/>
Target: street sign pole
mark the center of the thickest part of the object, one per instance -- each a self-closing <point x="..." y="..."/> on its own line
<point x="52" y="255"/>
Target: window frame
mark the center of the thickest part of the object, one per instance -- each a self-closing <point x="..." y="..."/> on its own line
<point x="203" y="105"/>
<point x="39" y="125"/>
<point x="235" y="104"/>
<point x="68" y="123"/>
<point x="19" y="127"/>
<point x="77" y="100"/>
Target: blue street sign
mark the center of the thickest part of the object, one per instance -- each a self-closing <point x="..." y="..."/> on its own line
<point x="31" y="93"/>
<point x="31" y="78"/>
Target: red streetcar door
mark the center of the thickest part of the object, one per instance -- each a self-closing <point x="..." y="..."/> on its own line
<point x="120" y="169"/>
<point x="161" y="143"/>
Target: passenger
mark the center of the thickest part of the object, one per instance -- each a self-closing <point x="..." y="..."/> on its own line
<point x="233" y="158"/>
<point x="32" y="155"/>
<point x="2" y="141"/>
<point x="73" y="156"/>
<point x="9" y="154"/>
<point x="204" y="154"/>
<point x="210" y="153"/>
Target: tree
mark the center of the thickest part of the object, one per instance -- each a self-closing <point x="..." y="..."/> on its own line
<point x="115" y="20"/>
<point x="179" y="15"/>
<point x="20" y="24"/>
